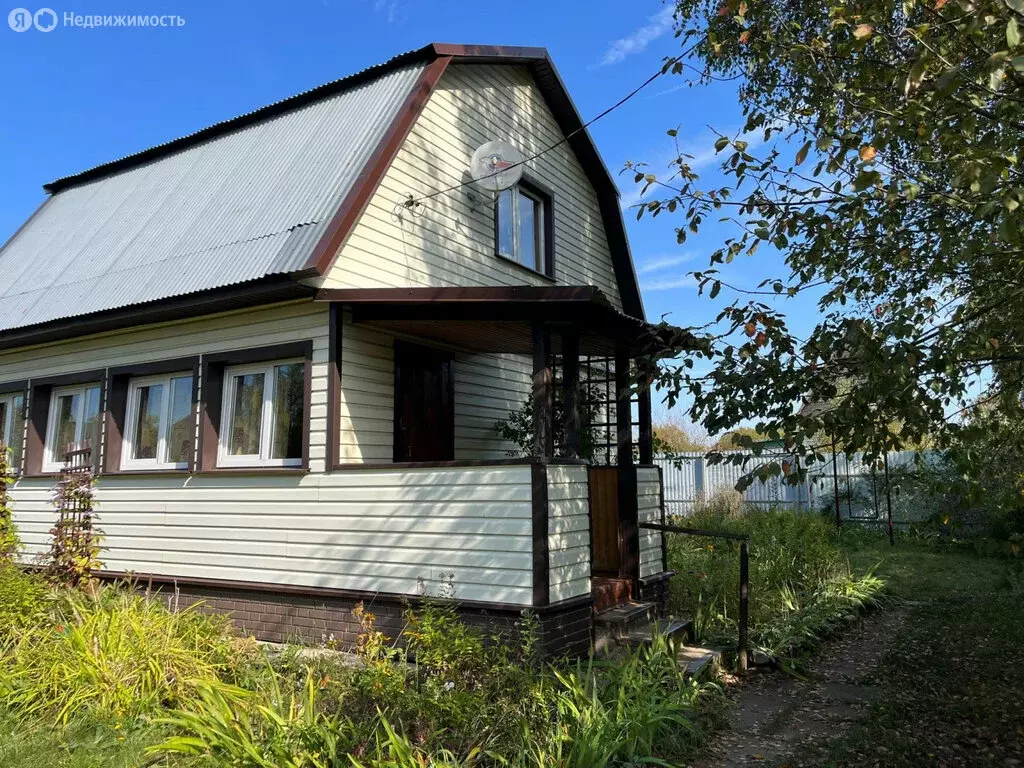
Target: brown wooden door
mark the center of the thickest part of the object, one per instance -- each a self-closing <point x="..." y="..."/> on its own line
<point x="604" y="517"/>
<point x="424" y="404"/>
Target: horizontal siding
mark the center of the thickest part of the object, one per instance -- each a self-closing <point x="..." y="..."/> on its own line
<point x="568" y="532"/>
<point x="450" y="239"/>
<point x="367" y="402"/>
<point x="649" y="511"/>
<point x="487" y="389"/>
<point x="373" y="530"/>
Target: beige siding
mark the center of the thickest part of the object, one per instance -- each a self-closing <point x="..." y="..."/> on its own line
<point x="449" y="239"/>
<point x="648" y="484"/>
<point x="374" y="530"/>
<point x="367" y="407"/>
<point x="487" y="389"/>
<point x="568" y="532"/>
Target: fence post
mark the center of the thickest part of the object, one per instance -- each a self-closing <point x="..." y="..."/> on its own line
<point x="741" y="655"/>
<point x="888" y="498"/>
<point x="698" y="479"/>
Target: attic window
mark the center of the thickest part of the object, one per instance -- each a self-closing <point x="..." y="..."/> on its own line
<point x="523" y="231"/>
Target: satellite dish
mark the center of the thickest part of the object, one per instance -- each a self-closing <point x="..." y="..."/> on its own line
<point x="496" y="165"/>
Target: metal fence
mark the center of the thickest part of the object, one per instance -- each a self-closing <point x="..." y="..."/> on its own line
<point x="690" y="479"/>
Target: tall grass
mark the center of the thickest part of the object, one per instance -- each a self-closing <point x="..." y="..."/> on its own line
<point x="801" y="584"/>
<point x="111" y="652"/>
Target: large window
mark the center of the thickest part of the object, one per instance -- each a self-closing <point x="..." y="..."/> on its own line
<point x="74" y="419"/>
<point x="12" y="425"/>
<point x="262" y="418"/>
<point x="160" y="425"/>
<point x="522" y="231"/>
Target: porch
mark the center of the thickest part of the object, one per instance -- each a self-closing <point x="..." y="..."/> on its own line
<point x="595" y="480"/>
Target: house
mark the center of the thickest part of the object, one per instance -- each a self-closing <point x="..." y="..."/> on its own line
<point x="289" y="377"/>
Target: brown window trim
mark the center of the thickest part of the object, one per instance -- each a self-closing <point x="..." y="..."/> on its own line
<point x="534" y="187"/>
<point x="117" y="409"/>
<point x="212" y="398"/>
<point x="40" y="391"/>
<point x="13" y="388"/>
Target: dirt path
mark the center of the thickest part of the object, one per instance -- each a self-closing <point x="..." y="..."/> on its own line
<point x="775" y="716"/>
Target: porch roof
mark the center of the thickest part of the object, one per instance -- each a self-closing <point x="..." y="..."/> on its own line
<point x="500" y="318"/>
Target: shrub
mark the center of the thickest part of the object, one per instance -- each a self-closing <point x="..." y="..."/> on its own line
<point x="10" y="543"/>
<point x="113" y="652"/>
<point x="24" y="599"/>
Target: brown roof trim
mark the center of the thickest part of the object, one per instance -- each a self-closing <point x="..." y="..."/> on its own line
<point x="267" y="290"/>
<point x="499" y="293"/>
<point x="352" y="207"/>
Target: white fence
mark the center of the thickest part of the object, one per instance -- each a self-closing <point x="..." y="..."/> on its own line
<point x="690" y="479"/>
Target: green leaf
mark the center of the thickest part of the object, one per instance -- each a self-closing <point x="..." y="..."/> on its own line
<point x="715" y="289"/>
<point x="1017" y="5"/>
<point x="866" y="179"/>
<point x="1012" y="32"/>
<point x="721" y="144"/>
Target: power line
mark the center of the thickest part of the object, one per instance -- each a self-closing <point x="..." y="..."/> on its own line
<point x="412" y="202"/>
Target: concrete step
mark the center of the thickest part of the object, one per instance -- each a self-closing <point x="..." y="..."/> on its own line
<point x="699" y="660"/>
<point x="678" y="631"/>
<point x="625" y="618"/>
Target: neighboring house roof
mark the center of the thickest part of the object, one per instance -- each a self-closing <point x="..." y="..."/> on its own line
<point x="261" y="200"/>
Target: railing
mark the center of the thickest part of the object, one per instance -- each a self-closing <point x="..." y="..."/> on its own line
<point x="743" y="645"/>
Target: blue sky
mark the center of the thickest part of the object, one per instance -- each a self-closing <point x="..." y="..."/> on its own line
<point x="77" y="97"/>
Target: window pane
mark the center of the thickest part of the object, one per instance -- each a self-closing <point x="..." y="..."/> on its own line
<point x="17" y="429"/>
<point x="148" y="408"/>
<point x="91" y="421"/>
<point x="527" y="231"/>
<point x="289" y="388"/>
<point x="505" y="224"/>
<point x="182" y="431"/>
<point x="66" y="424"/>
<point x="247" y="412"/>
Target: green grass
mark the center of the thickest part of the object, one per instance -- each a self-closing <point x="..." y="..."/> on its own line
<point x="952" y="678"/>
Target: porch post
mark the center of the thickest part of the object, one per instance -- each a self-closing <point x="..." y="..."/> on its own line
<point x="543" y="393"/>
<point x="646" y="427"/>
<point x="571" y="426"/>
<point x="629" y="530"/>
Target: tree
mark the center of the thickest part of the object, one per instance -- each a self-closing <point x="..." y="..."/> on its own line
<point x="673" y="435"/>
<point x="890" y="181"/>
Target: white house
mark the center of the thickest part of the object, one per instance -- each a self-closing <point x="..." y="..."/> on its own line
<point x="290" y="379"/>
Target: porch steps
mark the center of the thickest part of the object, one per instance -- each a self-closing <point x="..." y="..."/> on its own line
<point x="632" y="625"/>
<point x="609" y="592"/>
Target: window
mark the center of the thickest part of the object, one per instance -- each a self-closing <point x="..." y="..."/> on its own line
<point x="74" y="418"/>
<point x="521" y="215"/>
<point x="160" y="426"/>
<point x="12" y="425"/>
<point x="261" y="422"/>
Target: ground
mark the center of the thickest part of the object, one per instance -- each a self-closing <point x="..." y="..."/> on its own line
<point x="934" y="677"/>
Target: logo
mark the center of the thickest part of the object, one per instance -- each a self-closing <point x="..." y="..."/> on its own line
<point x="20" y="19"/>
<point x="45" y="19"/>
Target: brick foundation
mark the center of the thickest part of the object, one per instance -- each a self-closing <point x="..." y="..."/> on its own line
<point x="565" y="629"/>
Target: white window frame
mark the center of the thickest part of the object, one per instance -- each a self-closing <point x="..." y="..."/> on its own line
<point x="224" y="457"/>
<point x="540" y="265"/>
<point x="7" y="398"/>
<point x="51" y="464"/>
<point x="132" y="415"/>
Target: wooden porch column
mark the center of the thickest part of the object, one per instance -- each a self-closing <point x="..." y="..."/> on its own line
<point x="543" y="393"/>
<point x="572" y="423"/>
<point x="646" y="427"/>
<point x="629" y="530"/>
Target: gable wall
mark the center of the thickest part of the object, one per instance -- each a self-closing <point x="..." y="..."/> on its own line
<point x="449" y="239"/>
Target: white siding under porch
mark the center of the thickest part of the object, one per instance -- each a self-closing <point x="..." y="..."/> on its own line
<point x="568" y="531"/>
<point x="648" y="491"/>
<point x="368" y="530"/>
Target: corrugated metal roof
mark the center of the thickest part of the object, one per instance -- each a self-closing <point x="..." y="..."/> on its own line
<point x="249" y="201"/>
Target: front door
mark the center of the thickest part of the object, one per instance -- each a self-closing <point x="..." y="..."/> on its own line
<point x="424" y="404"/>
<point x="604" y="515"/>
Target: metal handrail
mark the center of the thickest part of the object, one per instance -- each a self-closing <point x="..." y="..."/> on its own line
<point x="744" y="540"/>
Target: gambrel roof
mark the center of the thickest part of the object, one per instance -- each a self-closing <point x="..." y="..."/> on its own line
<point x="236" y="213"/>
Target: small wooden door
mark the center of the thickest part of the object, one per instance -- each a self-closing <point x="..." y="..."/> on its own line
<point x="604" y="518"/>
<point x="424" y="404"/>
